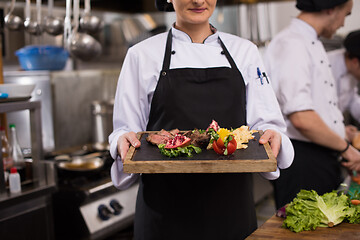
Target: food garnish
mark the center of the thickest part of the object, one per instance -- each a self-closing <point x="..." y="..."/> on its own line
<point x="178" y="141"/>
<point x="179" y="151"/>
<point x="223" y="141"/>
<point x="242" y="136"/>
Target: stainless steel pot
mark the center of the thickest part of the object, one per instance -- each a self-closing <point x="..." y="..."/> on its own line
<point x="102" y="112"/>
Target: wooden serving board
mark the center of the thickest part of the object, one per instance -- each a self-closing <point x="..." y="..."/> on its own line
<point x="272" y="229"/>
<point x="148" y="159"/>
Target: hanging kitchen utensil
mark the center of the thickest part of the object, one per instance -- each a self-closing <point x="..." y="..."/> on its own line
<point x="31" y="26"/>
<point x="13" y="22"/>
<point x="82" y="45"/>
<point x="67" y="25"/>
<point x="88" y="22"/>
<point x="53" y="25"/>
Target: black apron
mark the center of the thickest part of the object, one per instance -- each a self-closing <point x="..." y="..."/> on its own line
<point x="196" y="206"/>
<point x="314" y="168"/>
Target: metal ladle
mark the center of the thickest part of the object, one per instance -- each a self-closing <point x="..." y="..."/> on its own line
<point x="53" y="25"/>
<point x="88" y="22"/>
<point x="33" y="27"/>
<point x="13" y="22"/>
<point x="82" y="45"/>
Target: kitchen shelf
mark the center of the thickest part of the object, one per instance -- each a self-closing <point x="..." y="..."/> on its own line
<point x="28" y="214"/>
<point x="36" y="137"/>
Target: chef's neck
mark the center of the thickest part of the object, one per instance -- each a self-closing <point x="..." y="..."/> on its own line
<point x="318" y="20"/>
<point x="197" y="32"/>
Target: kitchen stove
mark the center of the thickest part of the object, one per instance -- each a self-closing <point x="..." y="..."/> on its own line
<point x="88" y="206"/>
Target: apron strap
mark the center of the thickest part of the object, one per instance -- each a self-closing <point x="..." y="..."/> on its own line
<point x="167" y="57"/>
<point x="227" y="55"/>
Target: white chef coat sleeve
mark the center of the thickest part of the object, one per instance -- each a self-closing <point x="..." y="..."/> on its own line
<point x="291" y="75"/>
<point x="263" y="112"/>
<point x="120" y="179"/>
<point x="128" y="115"/>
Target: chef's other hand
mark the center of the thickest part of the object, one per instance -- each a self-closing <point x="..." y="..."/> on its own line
<point x="352" y="156"/>
<point x="124" y="142"/>
<point x="351" y="132"/>
<point x="274" y="139"/>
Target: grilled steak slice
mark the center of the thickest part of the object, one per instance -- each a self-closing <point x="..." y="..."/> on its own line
<point x="157" y="139"/>
<point x="198" y="139"/>
<point x="165" y="133"/>
<point x="174" y="132"/>
<point x="162" y="136"/>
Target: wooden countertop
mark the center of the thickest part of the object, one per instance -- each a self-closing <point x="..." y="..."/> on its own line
<point x="272" y="229"/>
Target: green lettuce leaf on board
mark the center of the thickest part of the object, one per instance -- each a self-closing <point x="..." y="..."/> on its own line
<point x="354" y="216"/>
<point x="309" y="210"/>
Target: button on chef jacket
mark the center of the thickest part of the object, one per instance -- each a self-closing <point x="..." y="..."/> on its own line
<point x="346" y="84"/>
<point x="302" y="77"/>
<point x="140" y="73"/>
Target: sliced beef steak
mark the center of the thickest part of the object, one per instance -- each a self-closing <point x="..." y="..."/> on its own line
<point x="198" y="139"/>
<point x="162" y="136"/>
<point x="157" y="139"/>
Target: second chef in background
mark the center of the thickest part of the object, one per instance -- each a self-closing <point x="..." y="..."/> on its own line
<point x="305" y="87"/>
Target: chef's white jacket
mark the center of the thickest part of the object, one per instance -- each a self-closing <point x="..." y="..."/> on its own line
<point x="140" y="73"/>
<point x="302" y="78"/>
<point x="346" y="84"/>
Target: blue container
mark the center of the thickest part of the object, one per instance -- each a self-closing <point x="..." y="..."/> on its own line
<point x="42" y="57"/>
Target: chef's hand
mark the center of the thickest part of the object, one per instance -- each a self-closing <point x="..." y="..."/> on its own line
<point x="351" y="132"/>
<point x="124" y="142"/>
<point x="352" y="158"/>
<point x="274" y="139"/>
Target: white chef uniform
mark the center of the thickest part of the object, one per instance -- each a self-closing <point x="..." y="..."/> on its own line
<point x="346" y="84"/>
<point x="301" y="74"/>
<point x="140" y="73"/>
<point x="302" y="79"/>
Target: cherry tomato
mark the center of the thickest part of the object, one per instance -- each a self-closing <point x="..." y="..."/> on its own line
<point x="219" y="147"/>
<point x="220" y="143"/>
<point x="231" y="148"/>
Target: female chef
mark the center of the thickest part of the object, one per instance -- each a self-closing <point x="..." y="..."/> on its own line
<point x="183" y="79"/>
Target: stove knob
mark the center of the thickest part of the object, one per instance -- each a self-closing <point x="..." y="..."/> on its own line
<point x="104" y="212"/>
<point x="116" y="206"/>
